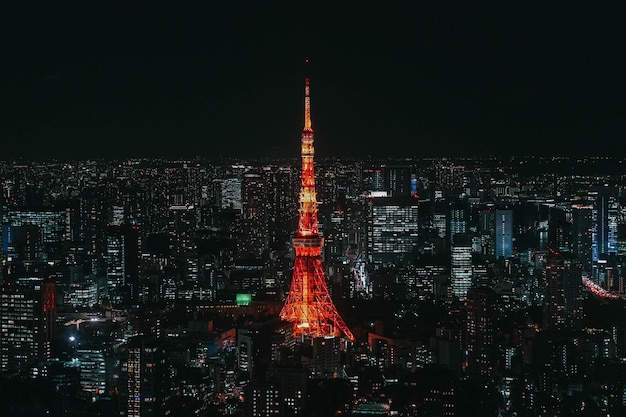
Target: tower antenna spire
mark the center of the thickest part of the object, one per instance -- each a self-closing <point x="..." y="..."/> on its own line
<point x="307" y="99"/>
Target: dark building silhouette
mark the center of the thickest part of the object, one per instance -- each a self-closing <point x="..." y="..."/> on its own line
<point x="147" y="383"/>
<point x="480" y="335"/>
<point x="564" y="291"/>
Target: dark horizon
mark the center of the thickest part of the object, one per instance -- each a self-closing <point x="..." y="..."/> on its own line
<point x="387" y="79"/>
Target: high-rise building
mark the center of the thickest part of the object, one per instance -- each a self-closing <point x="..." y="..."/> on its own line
<point x="393" y="226"/>
<point x="27" y="324"/>
<point x="256" y="215"/>
<point x="54" y="223"/>
<point x="373" y="179"/>
<point x="397" y="180"/>
<point x="326" y="358"/>
<point x="181" y="226"/>
<point x="291" y="382"/>
<point x="147" y="389"/>
<point x="282" y="201"/>
<point x="563" y="308"/>
<point x="254" y="349"/>
<point x="461" y="265"/>
<point x="231" y="194"/>
<point x="22" y="243"/>
<point x="457" y="219"/>
<point x="480" y="333"/>
<point x="605" y="215"/>
<point x="92" y="369"/>
<point x="582" y="234"/>
<point x="122" y="261"/>
<point x="504" y="234"/>
<point x="309" y="305"/>
<point x="262" y="399"/>
<point x="440" y="223"/>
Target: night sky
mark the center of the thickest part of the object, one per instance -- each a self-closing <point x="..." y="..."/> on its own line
<point x="405" y="78"/>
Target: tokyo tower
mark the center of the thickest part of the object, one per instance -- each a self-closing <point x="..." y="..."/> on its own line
<point x="309" y="305"/>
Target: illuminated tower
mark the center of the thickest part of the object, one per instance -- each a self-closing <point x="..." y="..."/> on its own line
<point x="308" y="304"/>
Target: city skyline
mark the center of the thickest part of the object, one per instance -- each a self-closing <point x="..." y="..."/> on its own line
<point x="388" y="80"/>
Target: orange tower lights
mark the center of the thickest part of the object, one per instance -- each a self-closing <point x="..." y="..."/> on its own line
<point x="309" y="305"/>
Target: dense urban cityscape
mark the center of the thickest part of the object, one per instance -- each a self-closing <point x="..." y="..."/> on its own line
<point x="471" y="286"/>
<point x="174" y="242"/>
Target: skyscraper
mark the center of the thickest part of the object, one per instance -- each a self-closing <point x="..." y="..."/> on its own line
<point x="397" y="180"/>
<point x="147" y="386"/>
<point x="309" y="305"/>
<point x="122" y="260"/>
<point x="461" y="265"/>
<point x="564" y="291"/>
<point x="604" y="223"/>
<point x="393" y="230"/>
<point x="27" y="323"/>
<point x="582" y="228"/>
<point x="504" y="234"/>
<point x="481" y="345"/>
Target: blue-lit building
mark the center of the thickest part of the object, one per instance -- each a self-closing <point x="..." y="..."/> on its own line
<point x="504" y="234"/>
<point x="604" y="223"/>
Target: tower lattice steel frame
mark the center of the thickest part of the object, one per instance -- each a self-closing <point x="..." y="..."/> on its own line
<point x="309" y="305"/>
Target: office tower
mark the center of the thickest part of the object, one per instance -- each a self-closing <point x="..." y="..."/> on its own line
<point x="326" y="357"/>
<point x="582" y="234"/>
<point x="54" y="223"/>
<point x="182" y="225"/>
<point x="604" y="222"/>
<point x="447" y="345"/>
<point x="22" y="243"/>
<point x="309" y="305"/>
<point x="373" y="179"/>
<point x="608" y="275"/>
<point x="461" y="265"/>
<point x="457" y="219"/>
<point x="254" y="349"/>
<point x="291" y="383"/>
<point x="122" y="262"/>
<point x="147" y="386"/>
<point x="487" y="232"/>
<point x="93" y="215"/>
<point x="451" y="177"/>
<point x="84" y="294"/>
<point x="27" y="323"/>
<point x="397" y="181"/>
<point x="116" y="215"/>
<point x="426" y="279"/>
<point x="564" y="291"/>
<point x="621" y="240"/>
<point x="231" y="195"/>
<point x="440" y="223"/>
<point x="393" y="230"/>
<point x="504" y="234"/>
<point x="282" y="202"/>
<point x="255" y="220"/>
<point x="92" y="369"/>
<point x="481" y="348"/>
<point x="263" y="399"/>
